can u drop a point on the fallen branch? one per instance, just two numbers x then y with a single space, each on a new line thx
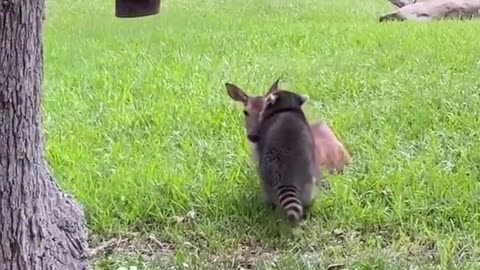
401 3
431 10
94 252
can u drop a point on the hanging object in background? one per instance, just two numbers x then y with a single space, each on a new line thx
136 8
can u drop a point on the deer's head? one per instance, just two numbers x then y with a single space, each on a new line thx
253 107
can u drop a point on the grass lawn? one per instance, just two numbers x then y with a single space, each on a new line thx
141 130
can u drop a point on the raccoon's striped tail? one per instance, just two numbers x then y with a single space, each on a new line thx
288 198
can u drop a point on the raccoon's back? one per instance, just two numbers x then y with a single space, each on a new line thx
288 131
286 150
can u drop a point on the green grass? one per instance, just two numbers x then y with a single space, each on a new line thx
140 129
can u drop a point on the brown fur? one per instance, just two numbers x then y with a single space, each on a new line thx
330 153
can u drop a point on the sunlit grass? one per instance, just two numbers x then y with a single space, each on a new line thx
140 129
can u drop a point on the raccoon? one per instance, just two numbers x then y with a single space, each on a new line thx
286 158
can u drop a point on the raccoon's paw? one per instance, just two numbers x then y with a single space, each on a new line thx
269 202
307 211
306 214
270 205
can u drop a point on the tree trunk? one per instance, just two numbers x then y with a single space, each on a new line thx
40 226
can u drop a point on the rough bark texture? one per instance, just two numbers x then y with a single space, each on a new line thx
40 226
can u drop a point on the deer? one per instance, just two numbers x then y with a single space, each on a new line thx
330 153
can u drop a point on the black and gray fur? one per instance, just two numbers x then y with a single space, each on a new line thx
286 155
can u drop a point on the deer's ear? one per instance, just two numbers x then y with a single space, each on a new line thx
302 99
271 98
236 93
274 87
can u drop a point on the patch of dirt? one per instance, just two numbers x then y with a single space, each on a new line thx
247 256
129 244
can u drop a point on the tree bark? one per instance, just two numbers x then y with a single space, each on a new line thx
41 227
